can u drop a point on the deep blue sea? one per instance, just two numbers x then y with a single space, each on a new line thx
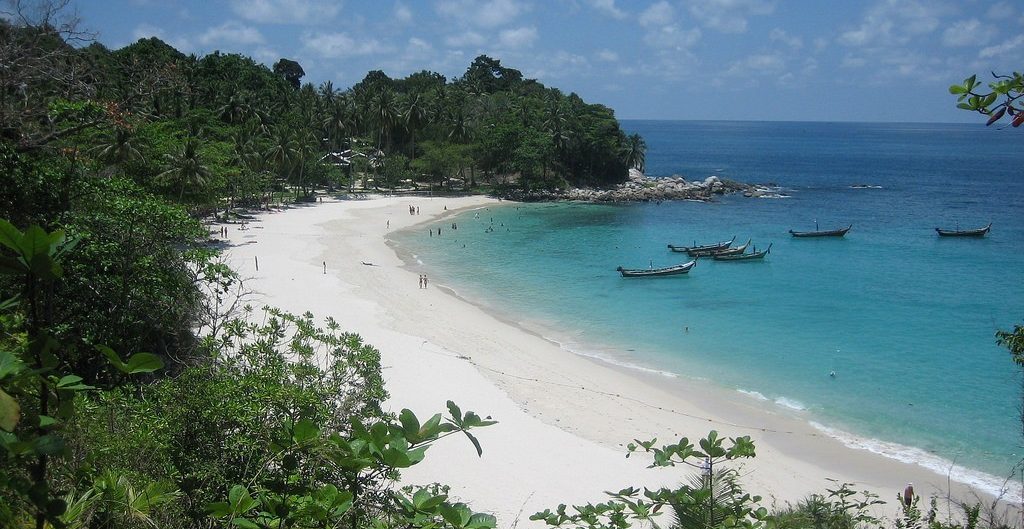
905 319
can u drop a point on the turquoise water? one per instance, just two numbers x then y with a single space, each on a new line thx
905 319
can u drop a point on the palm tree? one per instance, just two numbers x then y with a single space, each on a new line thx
328 93
305 146
118 149
384 115
634 152
185 168
235 110
415 117
282 152
336 124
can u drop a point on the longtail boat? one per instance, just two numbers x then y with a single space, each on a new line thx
826 233
715 246
977 232
657 272
722 251
744 256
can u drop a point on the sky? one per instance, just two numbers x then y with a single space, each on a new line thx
788 60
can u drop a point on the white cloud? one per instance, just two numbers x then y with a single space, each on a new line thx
1012 45
523 37
1001 11
608 7
466 39
402 13
810 66
608 55
658 14
853 62
662 32
729 16
779 35
287 11
481 13
968 33
757 64
266 55
672 37
338 45
231 32
892 22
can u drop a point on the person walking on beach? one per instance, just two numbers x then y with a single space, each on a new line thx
424 280
389 224
417 210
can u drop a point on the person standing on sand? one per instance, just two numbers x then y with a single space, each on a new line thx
389 224
424 280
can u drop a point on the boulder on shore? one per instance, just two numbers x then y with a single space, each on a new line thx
641 188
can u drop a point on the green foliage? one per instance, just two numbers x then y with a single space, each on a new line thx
1013 342
712 499
37 394
840 508
363 457
140 258
1001 98
290 70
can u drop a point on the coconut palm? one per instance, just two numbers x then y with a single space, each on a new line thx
185 168
415 115
336 124
118 149
282 152
634 152
328 93
383 115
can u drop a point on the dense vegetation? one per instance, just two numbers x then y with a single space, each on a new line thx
135 391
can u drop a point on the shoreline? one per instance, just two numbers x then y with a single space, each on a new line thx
493 365
988 484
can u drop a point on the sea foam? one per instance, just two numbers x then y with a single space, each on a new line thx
994 485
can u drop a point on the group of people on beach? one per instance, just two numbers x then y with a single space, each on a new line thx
423 280
414 210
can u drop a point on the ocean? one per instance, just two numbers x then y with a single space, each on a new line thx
905 319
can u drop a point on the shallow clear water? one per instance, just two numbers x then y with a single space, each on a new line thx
905 319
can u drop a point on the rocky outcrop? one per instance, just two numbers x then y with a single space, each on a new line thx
641 188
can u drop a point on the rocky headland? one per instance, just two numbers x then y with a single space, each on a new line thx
642 188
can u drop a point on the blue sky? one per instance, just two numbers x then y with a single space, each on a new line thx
817 60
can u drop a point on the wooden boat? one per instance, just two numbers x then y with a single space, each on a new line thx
744 256
716 246
723 251
657 272
826 233
977 232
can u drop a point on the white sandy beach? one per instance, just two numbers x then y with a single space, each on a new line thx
564 419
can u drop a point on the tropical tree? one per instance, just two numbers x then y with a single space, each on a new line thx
634 152
415 115
186 169
336 124
384 115
118 148
282 152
